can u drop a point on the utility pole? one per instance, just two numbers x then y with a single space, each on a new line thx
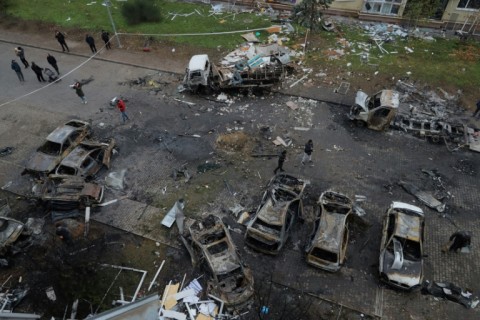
107 4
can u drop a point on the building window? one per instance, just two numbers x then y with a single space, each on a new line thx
469 4
384 7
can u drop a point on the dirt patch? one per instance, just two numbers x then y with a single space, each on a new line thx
236 141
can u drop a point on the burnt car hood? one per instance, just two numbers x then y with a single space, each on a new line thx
42 162
409 273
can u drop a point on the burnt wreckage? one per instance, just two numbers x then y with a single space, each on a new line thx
281 204
423 118
209 243
328 242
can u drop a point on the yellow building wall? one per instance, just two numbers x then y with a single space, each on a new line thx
451 12
348 5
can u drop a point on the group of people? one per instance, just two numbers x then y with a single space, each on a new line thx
307 155
88 39
20 53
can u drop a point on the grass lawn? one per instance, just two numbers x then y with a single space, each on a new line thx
446 63
92 15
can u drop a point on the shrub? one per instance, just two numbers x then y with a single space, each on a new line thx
140 11
4 6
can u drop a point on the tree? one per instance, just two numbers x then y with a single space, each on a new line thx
140 11
4 6
421 9
308 13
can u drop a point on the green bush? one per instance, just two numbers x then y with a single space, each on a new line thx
4 6
140 11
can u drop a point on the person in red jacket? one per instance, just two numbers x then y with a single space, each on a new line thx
122 107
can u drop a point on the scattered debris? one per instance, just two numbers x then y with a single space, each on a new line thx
425 197
449 291
6 151
171 215
115 180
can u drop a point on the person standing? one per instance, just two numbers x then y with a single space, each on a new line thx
475 114
307 152
281 160
91 42
38 72
77 86
122 107
21 54
61 39
53 62
18 70
458 240
106 39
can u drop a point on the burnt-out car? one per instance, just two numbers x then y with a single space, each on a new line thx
10 231
377 111
57 146
64 192
328 243
281 204
210 244
87 159
401 251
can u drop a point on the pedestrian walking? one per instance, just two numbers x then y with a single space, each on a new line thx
61 39
458 240
77 86
307 152
281 160
18 70
106 39
475 114
21 54
38 72
122 107
53 62
91 42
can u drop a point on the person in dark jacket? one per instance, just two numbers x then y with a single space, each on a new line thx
478 109
281 160
106 39
91 42
308 152
21 54
61 39
18 70
38 72
53 62
458 240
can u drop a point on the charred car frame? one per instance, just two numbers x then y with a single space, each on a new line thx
87 159
377 111
281 204
57 146
329 239
401 251
64 192
209 242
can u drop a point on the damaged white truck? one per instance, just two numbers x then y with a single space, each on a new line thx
259 71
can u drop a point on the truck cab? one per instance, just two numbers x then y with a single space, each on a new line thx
198 72
377 111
